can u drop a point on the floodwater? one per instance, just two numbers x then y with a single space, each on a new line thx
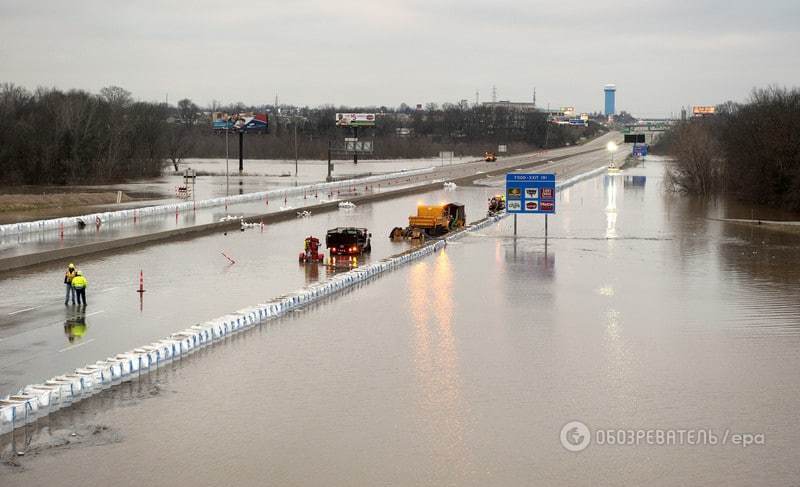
187 281
637 313
212 182
14 245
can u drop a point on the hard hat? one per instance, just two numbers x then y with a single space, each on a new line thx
79 273
71 266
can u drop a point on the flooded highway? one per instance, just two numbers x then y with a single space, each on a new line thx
638 312
188 281
69 235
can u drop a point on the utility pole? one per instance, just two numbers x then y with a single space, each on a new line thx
295 147
494 94
227 179
330 167
355 152
241 150
477 97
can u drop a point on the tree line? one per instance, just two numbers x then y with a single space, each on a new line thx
399 132
49 136
750 150
53 137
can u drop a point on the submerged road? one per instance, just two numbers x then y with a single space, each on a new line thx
53 244
187 281
463 367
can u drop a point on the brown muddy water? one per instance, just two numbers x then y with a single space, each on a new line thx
639 314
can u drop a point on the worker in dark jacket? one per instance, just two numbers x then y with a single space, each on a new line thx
79 283
68 276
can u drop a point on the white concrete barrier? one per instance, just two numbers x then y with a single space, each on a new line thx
68 224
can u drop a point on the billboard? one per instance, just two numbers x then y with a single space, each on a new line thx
703 110
634 138
355 119
246 122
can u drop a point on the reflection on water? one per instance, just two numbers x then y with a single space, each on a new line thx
75 325
610 183
430 291
535 262
634 182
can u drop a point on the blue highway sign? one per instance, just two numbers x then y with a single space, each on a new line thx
530 193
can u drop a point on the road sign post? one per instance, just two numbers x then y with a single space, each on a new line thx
531 194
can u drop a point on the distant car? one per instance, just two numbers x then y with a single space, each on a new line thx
348 241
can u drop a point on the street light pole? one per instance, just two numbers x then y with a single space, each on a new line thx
611 147
227 181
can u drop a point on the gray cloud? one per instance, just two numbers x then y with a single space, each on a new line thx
661 54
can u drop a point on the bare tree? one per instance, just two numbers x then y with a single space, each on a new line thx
116 96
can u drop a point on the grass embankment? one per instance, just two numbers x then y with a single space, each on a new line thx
27 202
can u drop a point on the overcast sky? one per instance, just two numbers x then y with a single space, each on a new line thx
662 54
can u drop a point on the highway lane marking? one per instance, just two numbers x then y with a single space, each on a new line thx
24 310
76 346
42 305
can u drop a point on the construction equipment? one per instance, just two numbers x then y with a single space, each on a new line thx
432 221
311 251
489 156
497 204
348 241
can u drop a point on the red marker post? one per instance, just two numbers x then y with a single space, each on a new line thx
141 282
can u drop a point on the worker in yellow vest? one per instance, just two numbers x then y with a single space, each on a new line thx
79 283
68 276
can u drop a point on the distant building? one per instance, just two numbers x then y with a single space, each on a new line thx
511 105
610 91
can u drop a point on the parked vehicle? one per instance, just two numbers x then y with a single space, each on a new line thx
348 241
497 204
311 251
432 221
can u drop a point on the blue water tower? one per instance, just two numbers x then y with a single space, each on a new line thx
611 91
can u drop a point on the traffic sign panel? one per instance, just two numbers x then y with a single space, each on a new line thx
530 193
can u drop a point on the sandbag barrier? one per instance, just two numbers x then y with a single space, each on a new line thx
38 400
68 223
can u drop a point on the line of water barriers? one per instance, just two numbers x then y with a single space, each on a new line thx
39 400
59 224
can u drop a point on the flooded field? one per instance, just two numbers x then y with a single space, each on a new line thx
639 312
211 182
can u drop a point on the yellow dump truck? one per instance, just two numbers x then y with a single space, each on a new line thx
432 220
